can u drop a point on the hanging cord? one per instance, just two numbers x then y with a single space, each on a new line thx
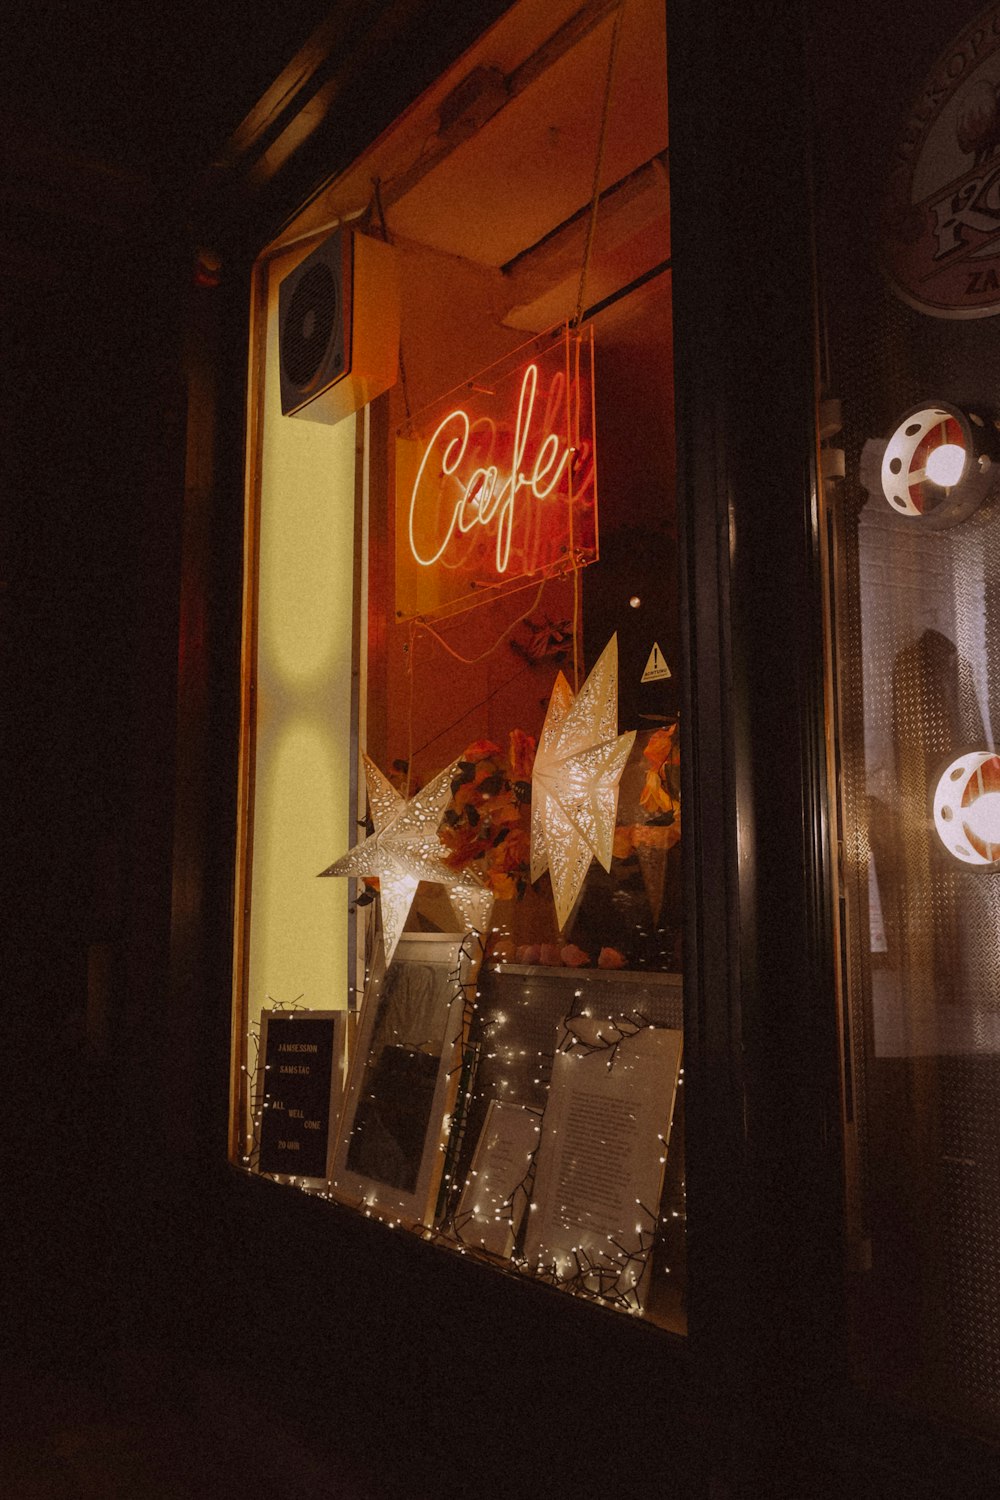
595 202
472 709
416 625
410 645
573 383
599 163
471 661
576 630
377 196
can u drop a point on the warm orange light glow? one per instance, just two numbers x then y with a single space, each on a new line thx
928 445
483 499
498 485
301 666
946 464
967 808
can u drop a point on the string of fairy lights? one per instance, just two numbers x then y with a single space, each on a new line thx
616 1275
255 1071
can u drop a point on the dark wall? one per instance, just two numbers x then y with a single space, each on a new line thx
92 412
119 628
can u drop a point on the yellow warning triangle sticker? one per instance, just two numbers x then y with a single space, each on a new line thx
656 666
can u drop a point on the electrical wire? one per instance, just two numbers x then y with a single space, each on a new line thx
599 163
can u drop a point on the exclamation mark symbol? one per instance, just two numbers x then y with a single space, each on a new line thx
656 666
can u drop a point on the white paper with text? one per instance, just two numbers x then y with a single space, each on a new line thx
600 1162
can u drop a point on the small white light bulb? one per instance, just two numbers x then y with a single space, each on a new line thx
982 817
945 464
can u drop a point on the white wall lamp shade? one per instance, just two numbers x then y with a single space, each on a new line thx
967 809
935 468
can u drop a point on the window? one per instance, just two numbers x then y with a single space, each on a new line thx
461 676
912 360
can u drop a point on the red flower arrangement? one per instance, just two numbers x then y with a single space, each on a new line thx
485 825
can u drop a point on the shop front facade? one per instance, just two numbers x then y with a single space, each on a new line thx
597 702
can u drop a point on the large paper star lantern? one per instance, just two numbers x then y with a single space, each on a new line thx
574 784
405 849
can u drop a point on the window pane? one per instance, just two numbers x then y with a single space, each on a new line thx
514 871
297 736
912 348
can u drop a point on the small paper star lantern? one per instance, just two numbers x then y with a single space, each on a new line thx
574 784
405 849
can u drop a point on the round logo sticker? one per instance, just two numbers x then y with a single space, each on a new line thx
941 216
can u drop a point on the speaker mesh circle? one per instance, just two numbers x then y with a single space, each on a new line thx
311 319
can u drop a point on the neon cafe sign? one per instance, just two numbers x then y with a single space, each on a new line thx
496 483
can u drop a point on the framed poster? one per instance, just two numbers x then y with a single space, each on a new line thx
300 1082
521 1017
393 1132
601 1157
495 1195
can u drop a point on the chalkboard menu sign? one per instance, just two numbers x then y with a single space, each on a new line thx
300 1052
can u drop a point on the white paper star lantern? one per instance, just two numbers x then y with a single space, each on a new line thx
405 849
574 784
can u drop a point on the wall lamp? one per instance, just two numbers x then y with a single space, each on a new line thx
967 808
936 467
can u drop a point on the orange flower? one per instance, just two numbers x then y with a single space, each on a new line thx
522 754
654 796
484 807
513 853
463 844
466 793
479 750
660 747
469 793
501 810
486 769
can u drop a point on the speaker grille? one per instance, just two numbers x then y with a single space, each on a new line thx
312 317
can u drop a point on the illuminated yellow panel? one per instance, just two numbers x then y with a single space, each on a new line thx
303 751
297 921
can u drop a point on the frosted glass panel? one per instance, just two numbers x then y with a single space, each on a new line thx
302 749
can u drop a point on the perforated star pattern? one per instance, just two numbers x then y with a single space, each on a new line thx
405 849
574 785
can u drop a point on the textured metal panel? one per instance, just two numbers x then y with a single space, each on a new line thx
918 617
